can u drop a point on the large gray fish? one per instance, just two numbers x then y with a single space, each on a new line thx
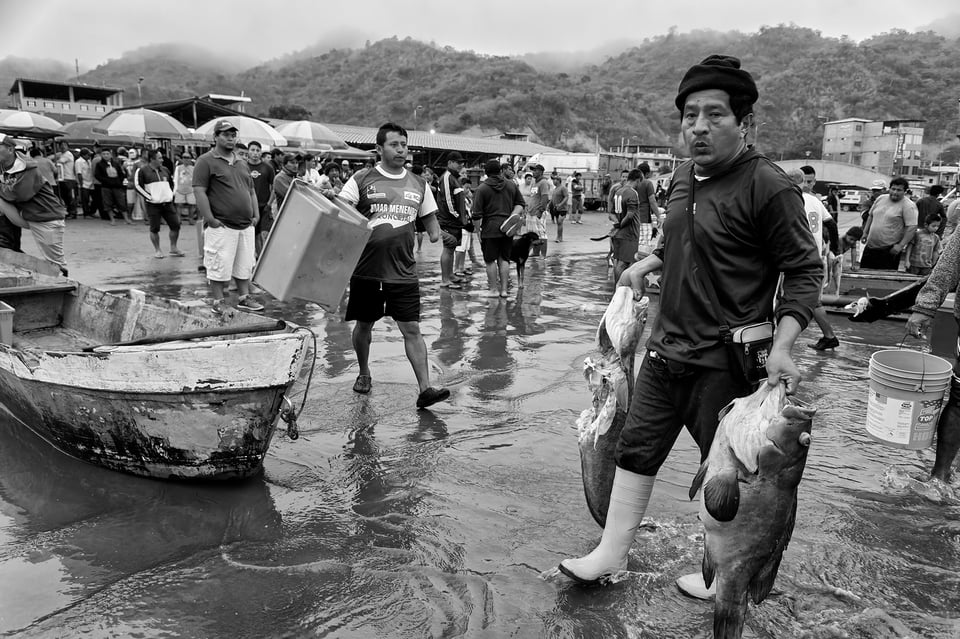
610 377
749 500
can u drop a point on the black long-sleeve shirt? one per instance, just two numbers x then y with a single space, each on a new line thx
750 226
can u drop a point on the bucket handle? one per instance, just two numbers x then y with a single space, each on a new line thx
919 388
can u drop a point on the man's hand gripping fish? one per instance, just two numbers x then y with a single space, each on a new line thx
611 378
749 500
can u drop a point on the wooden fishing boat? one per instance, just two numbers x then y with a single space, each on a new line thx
139 383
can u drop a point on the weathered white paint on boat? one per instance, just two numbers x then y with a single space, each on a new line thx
268 360
201 408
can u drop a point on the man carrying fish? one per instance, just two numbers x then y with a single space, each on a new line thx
748 224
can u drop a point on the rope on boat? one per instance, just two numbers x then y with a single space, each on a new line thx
287 413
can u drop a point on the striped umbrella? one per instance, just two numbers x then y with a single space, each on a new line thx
248 130
28 124
142 123
311 135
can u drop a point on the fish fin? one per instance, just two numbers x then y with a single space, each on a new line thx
708 568
728 618
762 582
698 480
721 496
723 411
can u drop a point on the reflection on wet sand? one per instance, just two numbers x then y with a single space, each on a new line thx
412 524
94 526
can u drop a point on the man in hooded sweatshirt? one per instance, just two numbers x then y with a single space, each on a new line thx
38 204
495 200
748 222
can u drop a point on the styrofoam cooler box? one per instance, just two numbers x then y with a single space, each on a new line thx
312 249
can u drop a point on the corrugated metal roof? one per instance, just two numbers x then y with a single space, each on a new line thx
352 134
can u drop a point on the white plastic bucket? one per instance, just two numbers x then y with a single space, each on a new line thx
905 397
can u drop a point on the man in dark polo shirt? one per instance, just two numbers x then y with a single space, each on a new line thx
228 204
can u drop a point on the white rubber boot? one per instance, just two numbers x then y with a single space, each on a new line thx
628 503
692 585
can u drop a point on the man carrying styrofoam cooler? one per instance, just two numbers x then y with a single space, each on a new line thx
28 201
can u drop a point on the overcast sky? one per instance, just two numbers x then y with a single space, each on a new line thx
96 30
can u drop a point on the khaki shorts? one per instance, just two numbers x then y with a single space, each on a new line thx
49 238
228 253
184 198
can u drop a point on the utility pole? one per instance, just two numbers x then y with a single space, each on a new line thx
139 93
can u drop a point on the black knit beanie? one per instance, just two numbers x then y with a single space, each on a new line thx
717 72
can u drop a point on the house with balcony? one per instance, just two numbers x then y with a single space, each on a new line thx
64 101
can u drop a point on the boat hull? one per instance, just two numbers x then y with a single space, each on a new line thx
187 435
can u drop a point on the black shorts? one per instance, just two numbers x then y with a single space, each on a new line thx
556 215
370 300
165 211
451 238
265 223
668 396
496 248
625 249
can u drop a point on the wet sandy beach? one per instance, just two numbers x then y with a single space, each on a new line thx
385 521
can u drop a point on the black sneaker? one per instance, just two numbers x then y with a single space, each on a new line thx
431 396
824 343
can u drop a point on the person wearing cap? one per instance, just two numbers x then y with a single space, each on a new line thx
537 209
385 281
345 170
877 189
109 172
889 228
496 200
183 197
748 222
452 216
228 205
30 199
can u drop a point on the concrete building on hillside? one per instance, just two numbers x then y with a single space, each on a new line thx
891 147
64 101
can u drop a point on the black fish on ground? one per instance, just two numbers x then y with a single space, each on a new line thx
749 501
610 376
871 309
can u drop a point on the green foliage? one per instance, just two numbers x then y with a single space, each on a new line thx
288 112
804 79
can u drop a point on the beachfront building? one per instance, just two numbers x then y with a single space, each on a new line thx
64 101
890 147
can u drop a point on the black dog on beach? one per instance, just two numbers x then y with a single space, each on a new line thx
521 251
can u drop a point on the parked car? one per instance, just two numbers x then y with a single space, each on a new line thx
850 199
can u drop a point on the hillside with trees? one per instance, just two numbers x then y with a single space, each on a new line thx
804 79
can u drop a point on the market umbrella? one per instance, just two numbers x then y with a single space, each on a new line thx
311 135
28 124
142 123
248 130
81 132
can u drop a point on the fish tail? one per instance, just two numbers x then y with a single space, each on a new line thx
728 618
